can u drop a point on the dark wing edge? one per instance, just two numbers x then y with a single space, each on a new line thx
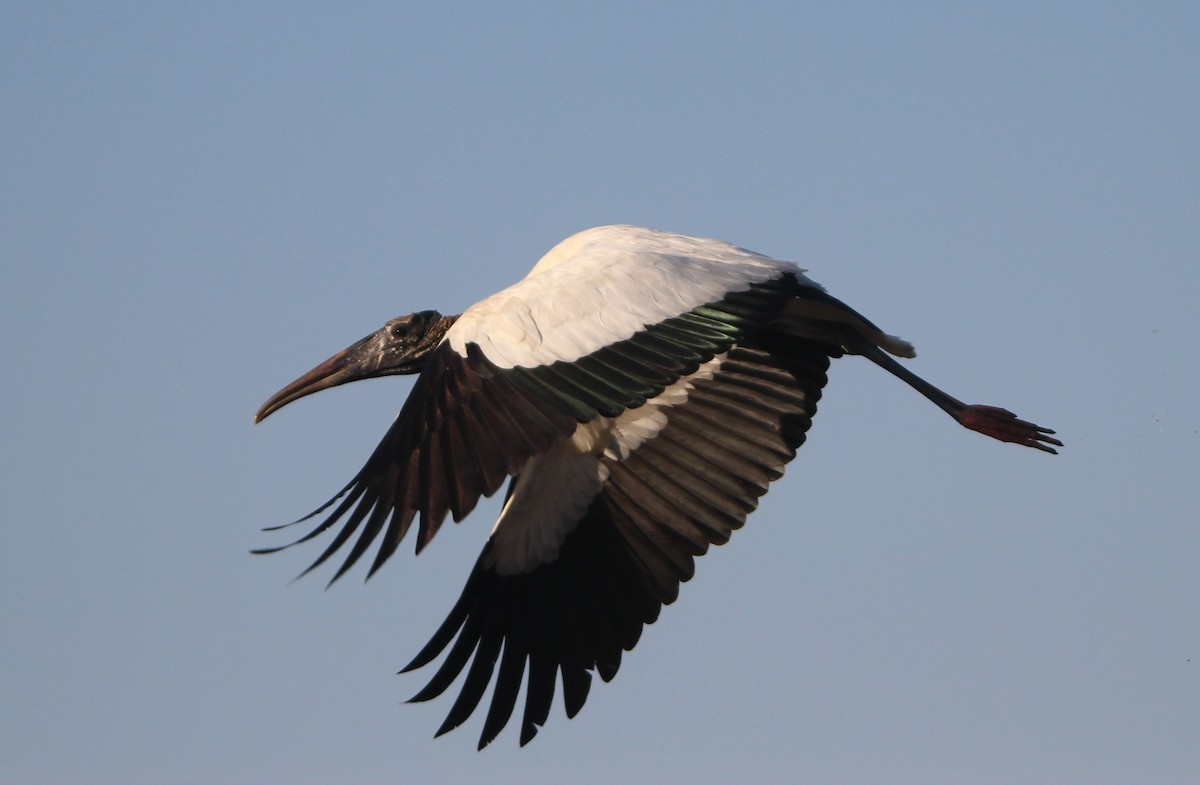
464 428
687 488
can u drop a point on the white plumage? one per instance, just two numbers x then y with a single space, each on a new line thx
603 285
640 391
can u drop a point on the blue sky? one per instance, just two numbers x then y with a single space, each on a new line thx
199 202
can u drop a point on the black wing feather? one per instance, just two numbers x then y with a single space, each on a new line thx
680 492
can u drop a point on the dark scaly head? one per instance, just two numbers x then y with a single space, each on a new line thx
400 347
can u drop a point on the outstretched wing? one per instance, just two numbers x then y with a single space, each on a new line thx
687 487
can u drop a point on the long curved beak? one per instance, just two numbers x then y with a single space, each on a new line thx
358 361
402 346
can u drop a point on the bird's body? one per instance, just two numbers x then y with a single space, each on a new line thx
641 389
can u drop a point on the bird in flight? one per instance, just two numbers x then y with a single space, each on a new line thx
639 391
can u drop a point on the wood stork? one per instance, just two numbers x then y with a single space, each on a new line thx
641 389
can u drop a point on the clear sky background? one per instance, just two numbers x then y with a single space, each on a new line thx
198 202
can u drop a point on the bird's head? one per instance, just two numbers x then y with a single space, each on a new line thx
400 347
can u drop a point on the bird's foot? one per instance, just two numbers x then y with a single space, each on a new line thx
1003 425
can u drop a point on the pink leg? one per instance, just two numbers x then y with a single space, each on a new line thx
989 420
